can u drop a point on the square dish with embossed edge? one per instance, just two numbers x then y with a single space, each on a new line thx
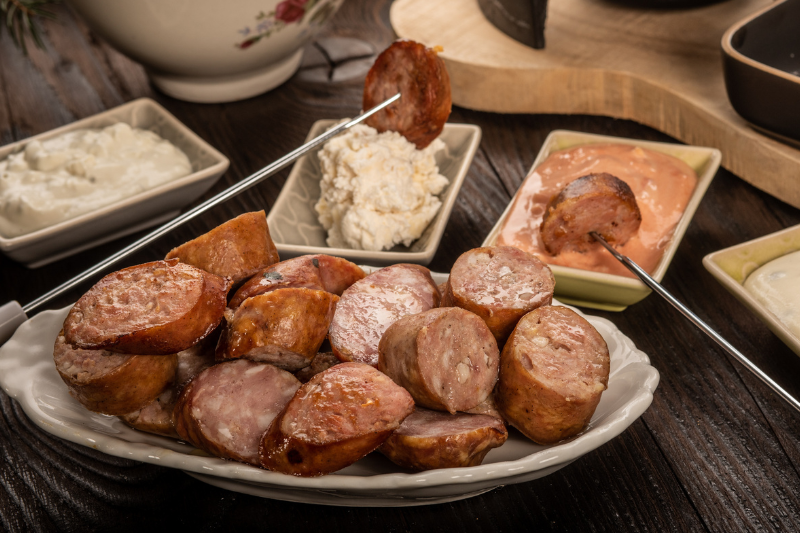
293 222
731 266
610 292
128 215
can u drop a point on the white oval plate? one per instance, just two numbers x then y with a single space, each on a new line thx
27 373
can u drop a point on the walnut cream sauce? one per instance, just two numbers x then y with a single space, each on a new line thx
80 171
776 285
662 185
377 189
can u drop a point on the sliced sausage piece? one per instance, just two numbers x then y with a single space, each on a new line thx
427 440
156 417
285 327
553 370
226 409
420 76
597 202
499 284
162 307
446 358
321 362
236 249
112 383
371 305
334 420
319 272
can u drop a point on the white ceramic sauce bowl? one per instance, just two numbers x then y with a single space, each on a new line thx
206 50
128 215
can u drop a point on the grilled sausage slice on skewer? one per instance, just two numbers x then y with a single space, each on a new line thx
420 76
553 370
157 308
499 284
334 420
427 440
446 358
597 202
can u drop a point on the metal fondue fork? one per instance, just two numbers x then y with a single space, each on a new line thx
12 314
656 286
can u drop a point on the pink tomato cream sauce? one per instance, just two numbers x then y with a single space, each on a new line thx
662 185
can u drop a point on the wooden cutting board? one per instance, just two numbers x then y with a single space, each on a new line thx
662 68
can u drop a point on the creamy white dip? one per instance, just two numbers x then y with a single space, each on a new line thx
377 189
776 285
60 178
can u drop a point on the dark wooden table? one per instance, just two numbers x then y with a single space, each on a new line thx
716 451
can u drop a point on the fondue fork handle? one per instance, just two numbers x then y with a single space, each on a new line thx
227 194
656 286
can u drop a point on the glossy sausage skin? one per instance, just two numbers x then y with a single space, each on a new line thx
427 440
334 420
236 249
320 272
446 358
420 76
226 409
499 284
372 304
285 327
553 370
597 202
157 308
156 417
112 383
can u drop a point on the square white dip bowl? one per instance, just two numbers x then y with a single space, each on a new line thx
295 228
129 215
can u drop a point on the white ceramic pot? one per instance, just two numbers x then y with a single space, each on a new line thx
210 50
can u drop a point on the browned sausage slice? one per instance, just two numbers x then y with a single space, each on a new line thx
156 308
427 440
499 284
112 383
236 249
226 409
446 358
334 420
285 327
320 272
156 417
597 202
420 76
553 370
372 304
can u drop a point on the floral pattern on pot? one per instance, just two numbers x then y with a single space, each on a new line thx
285 13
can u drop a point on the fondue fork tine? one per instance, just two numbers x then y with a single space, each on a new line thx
657 287
12 314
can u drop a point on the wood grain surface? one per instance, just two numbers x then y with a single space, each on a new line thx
716 451
659 67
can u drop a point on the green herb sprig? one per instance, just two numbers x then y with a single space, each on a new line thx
19 19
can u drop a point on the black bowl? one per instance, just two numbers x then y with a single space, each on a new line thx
761 64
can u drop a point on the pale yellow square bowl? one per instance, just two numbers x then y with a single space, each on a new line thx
610 292
731 266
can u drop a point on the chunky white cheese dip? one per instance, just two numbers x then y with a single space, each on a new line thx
776 285
60 178
378 190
